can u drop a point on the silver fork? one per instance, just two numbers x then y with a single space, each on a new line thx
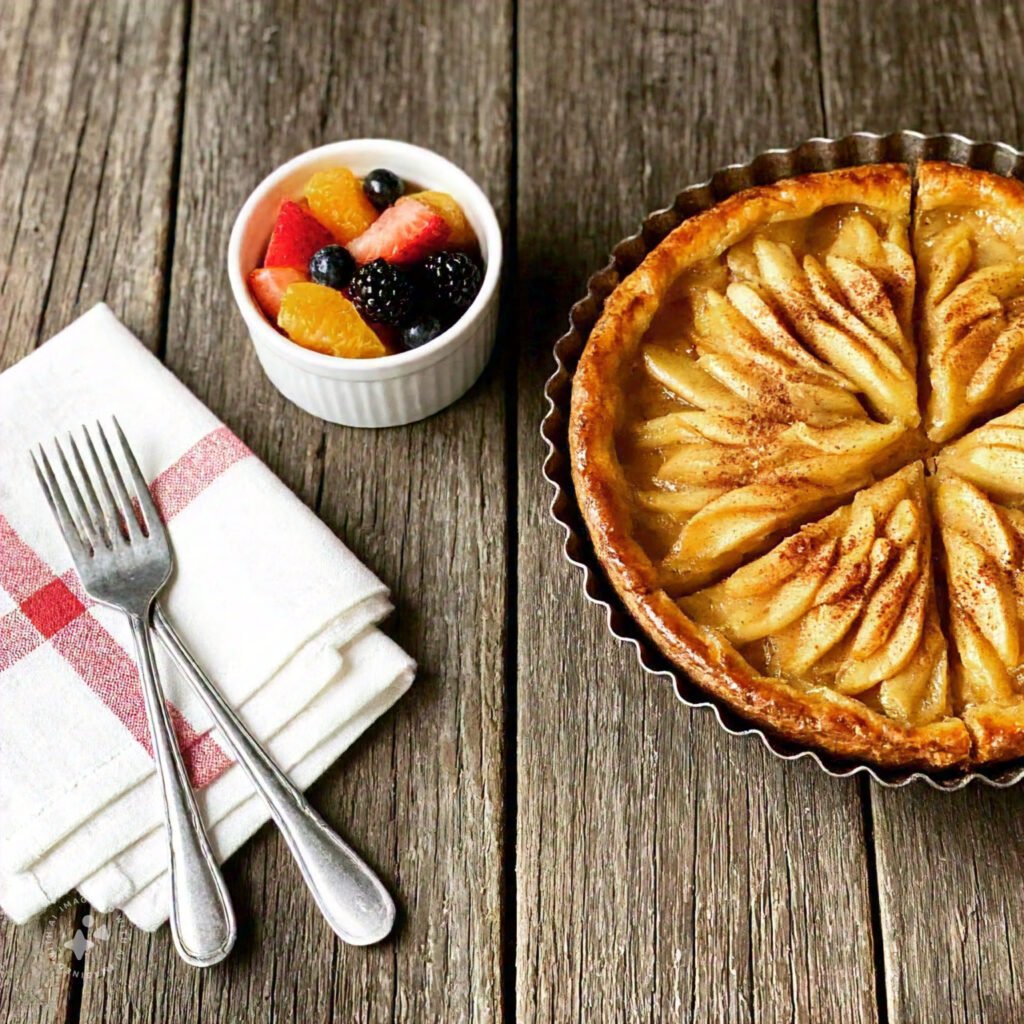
125 565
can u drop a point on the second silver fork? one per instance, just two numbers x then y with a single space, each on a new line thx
124 563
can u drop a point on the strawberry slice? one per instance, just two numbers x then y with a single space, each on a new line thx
460 234
297 235
268 285
403 233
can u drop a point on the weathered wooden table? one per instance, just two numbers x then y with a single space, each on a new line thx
567 842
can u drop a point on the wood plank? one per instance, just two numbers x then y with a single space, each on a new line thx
665 869
35 972
949 866
422 795
89 100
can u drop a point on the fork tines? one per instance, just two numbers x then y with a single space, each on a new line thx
114 515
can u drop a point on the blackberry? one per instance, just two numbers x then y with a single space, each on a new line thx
383 187
382 293
450 280
333 266
421 331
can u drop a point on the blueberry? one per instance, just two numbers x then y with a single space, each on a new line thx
450 280
382 293
425 329
383 187
333 266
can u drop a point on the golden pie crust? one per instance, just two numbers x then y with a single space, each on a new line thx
774 497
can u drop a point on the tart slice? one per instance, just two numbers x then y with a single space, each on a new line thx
752 373
845 611
969 249
734 464
978 498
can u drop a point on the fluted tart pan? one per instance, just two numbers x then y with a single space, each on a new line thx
769 167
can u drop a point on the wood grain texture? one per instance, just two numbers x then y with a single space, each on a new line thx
421 796
89 99
89 94
948 866
666 871
35 972
894 64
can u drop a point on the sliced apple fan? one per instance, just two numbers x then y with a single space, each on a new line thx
972 310
798 380
847 603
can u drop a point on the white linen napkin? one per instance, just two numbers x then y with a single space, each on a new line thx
271 603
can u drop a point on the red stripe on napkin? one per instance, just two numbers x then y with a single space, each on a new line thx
177 485
18 637
22 571
55 610
52 607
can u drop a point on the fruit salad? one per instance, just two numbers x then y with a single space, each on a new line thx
367 267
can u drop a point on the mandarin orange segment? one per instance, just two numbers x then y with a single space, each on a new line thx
337 200
460 234
321 318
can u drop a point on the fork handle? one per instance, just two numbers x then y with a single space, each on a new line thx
349 895
202 921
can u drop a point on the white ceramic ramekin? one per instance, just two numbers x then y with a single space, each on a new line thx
391 390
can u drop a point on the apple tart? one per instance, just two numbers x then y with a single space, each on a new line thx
750 457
